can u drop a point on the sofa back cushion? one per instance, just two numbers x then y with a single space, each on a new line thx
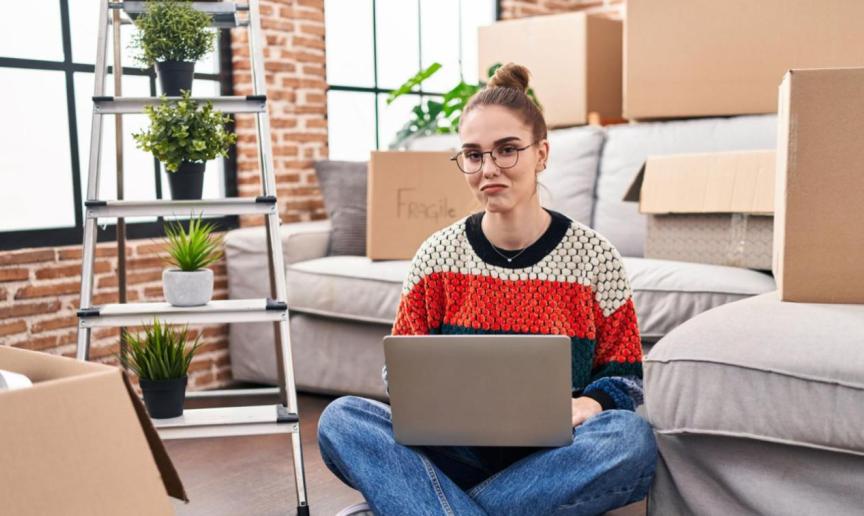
343 186
567 184
627 146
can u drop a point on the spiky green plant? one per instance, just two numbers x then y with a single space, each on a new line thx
193 248
161 352
172 31
185 130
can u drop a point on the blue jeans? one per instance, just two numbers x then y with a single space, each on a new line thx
609 464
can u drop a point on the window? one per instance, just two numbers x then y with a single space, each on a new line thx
47 67
373 46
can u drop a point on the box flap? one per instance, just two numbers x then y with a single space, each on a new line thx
173 484
79 435
727 182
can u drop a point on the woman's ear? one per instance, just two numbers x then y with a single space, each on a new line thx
542 154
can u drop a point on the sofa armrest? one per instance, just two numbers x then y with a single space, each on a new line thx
246 254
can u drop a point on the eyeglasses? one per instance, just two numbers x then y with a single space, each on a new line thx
504 156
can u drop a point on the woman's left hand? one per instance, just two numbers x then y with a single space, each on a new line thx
583 408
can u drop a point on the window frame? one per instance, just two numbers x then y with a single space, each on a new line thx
62 236
375 90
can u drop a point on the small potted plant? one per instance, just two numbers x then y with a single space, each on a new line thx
184 134
190 282
160 357
173 35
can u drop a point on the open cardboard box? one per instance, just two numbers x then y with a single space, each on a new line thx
410 195
79 441
708 208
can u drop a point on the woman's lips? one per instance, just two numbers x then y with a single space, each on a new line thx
493 189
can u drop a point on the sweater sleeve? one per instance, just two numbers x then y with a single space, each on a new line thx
616 374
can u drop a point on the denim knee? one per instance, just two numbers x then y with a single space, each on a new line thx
637 432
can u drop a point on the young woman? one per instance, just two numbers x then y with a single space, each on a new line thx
514 267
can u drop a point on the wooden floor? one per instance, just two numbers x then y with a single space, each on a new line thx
253 476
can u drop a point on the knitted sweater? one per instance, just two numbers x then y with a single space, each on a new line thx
571 281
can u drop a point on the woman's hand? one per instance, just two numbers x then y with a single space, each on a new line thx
583 408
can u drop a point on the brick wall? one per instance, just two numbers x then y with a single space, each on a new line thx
39 287
297 95
522 8
39 296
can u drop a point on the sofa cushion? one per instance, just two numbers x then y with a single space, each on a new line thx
347 287
627 146
665 293
343 186
571 172
763 369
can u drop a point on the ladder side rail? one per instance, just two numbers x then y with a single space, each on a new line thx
89 245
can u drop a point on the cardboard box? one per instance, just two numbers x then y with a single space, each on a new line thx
819 212
79 442
574 60
411 195
708 208
709 57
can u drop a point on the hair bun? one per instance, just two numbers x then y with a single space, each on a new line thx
511 75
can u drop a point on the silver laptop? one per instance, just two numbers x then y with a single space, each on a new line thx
480 390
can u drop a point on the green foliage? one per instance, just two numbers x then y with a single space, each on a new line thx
161 352
172 31
185 130
436 117
195 248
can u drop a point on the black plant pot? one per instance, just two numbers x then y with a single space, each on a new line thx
188 181
164 398
175 76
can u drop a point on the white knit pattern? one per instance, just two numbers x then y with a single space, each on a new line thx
583 256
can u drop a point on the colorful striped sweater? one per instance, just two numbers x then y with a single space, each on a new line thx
571 281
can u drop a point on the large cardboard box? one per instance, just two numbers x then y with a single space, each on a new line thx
819 211
574 59
708 208
79 442
412 194
710 57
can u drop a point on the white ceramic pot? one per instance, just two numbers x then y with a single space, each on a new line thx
187 288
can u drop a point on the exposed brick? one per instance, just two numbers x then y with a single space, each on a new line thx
102 251
12 327
3 294
151 262
26 256
50 290
37 343
132 278
16 274
23 309
312 28
70 271
148 249
55 324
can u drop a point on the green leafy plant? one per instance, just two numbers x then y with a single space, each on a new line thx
161 352
185 130
438 117
172 31
193 248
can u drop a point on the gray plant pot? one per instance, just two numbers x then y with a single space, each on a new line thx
187 288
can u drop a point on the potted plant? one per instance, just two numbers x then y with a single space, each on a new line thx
172 35
183 135
160 357
190 282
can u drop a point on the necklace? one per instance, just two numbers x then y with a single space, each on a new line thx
511 258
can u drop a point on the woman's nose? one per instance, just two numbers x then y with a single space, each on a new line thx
489 168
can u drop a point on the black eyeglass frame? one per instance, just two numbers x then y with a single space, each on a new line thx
455 158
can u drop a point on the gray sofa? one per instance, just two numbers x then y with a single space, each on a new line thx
341 306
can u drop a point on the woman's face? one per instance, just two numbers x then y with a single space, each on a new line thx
494 127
